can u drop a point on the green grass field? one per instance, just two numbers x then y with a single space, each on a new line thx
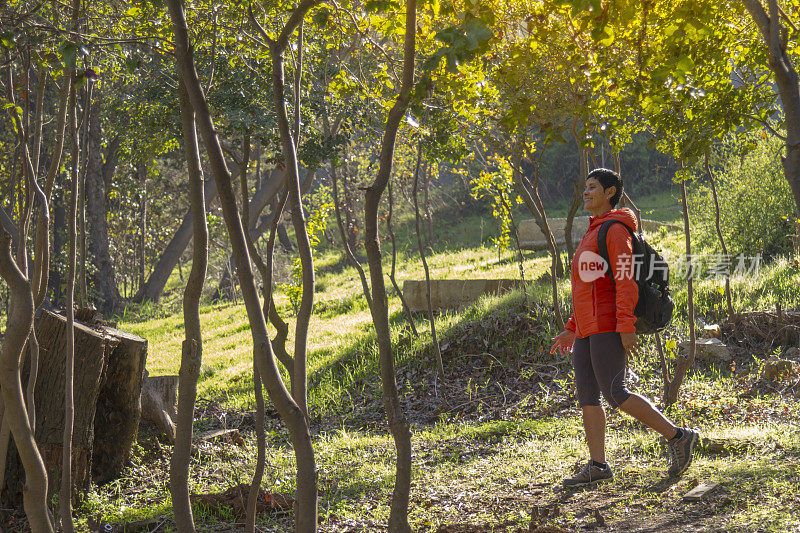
481 458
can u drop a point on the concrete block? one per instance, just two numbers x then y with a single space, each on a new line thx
713 350
453 293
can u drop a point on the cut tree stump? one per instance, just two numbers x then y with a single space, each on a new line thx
118 405
91 349
107 383
160 403
227 436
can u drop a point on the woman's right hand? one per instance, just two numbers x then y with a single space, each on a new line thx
563 342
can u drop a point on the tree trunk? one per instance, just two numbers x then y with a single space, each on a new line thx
683 362
192 353
59 223
154 286
91 350
65 494
428 214
530 195
83 291
577 193
392 278
283 238
520 257
105 281
289 149
18 326
293 416
786 80
116 420
261 434
345 235
431 318
728 299
226 289
398 515
141 177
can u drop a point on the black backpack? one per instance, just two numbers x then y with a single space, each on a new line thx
655 306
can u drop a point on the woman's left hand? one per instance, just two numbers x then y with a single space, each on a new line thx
630 342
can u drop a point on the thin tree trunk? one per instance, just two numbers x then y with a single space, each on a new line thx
289 145
105 280
41 262
141 175
43 76
18 326
192 352
520 258
293 416
281 327
428 216
786 80
625 197
261 435
728 299
577 192
59 221
83 292
343 233
683 363
65 495
431 317
392 278
266 278
398 515
530 195
261 453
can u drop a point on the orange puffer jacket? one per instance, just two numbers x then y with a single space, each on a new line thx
599 305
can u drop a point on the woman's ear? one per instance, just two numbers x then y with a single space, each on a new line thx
610 192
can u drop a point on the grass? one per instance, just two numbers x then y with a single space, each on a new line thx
477 460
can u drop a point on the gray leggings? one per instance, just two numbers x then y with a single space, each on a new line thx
599 362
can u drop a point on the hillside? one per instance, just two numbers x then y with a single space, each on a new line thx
492 442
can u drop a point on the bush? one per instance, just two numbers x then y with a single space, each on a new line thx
754 199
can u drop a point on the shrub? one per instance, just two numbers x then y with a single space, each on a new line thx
754 199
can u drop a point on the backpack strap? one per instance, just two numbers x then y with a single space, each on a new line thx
602 244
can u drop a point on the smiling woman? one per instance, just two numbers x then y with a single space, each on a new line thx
601 332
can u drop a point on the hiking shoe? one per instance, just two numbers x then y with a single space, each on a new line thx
680 451
589 474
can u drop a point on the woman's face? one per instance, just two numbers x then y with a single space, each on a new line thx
596 200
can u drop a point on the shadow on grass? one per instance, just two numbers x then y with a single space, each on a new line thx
661 485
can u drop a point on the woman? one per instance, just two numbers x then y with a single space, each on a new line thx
601 332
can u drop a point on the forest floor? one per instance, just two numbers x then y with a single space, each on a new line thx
492 443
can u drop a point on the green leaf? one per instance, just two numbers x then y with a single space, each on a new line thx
8 38
380 6
608 36
68 51
322 17
131 64
684 64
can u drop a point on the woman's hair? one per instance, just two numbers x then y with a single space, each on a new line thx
608 178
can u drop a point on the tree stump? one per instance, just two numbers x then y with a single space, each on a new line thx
160 403
91 347
118 405
109 366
